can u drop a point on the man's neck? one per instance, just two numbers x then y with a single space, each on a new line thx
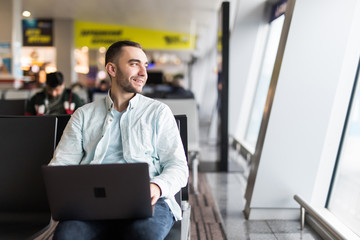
121 100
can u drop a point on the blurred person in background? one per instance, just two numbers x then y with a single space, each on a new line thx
178 90
54 99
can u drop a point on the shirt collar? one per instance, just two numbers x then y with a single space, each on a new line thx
110 103
133 102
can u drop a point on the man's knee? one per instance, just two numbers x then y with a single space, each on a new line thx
78 230
155 228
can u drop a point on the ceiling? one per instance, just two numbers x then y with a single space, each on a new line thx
185 16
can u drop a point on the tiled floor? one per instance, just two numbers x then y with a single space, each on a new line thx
228 190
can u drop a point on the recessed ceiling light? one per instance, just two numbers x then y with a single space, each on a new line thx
26 13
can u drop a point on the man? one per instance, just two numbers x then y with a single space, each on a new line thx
54 99
126 127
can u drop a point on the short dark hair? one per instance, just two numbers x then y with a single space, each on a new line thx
54 79
115 49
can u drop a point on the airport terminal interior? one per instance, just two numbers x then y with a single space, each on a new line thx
270 90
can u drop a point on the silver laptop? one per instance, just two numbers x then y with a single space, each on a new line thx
98 191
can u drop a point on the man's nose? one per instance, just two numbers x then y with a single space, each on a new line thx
142 71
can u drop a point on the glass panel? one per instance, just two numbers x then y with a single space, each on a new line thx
345 197
266 70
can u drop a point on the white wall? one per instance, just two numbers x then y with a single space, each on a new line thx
309 106
246 43
64 44
202 72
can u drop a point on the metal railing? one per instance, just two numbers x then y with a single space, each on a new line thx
305 207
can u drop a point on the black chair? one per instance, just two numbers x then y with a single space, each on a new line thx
13 107
181 229
62 120
26 143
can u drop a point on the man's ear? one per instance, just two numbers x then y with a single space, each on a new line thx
111 69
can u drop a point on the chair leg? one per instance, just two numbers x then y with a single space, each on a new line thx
185 222
195 166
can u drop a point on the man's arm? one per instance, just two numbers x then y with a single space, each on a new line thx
172 157
69 150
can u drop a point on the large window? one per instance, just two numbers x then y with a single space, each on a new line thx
262 88
344 201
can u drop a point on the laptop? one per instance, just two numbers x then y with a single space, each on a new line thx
98 191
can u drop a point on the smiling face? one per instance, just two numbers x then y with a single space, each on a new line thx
129 70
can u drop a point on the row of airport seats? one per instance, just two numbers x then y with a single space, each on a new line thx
27 143
14 103
16 94
26 94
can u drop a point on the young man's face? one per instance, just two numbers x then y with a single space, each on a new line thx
131 75
56 91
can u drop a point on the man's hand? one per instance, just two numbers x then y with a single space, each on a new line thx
155 193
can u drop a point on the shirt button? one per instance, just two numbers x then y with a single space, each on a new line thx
110 120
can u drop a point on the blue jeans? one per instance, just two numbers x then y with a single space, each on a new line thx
154 228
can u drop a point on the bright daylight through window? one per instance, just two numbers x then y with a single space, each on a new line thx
345 197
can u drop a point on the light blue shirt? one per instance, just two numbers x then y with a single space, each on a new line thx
114 154
148 132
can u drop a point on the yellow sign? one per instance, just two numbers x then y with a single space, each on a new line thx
96 35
